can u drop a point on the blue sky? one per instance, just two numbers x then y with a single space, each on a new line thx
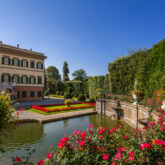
87 34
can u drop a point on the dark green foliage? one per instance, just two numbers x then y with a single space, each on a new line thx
61 93
69 90
58 92
92 100
67 95
79 75
65 72
98 82
81 97
147 67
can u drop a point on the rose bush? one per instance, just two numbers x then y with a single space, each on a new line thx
115 146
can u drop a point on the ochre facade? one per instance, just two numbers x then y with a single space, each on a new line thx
22 72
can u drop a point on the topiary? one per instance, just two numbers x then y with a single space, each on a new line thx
57 92
92 100
67 95
68 102
81 97
69 90
61 93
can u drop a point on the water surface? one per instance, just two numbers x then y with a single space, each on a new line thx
29 136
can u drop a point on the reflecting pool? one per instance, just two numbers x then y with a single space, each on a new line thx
29 136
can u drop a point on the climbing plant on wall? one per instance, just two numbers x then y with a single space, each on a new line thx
98 82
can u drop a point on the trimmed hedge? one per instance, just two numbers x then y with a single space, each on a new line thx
81 97
147 67
98 82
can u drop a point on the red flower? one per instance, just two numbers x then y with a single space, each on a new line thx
49 155
41 162
18 159
105 156
82 142
144 127
17 113
91 125
125 136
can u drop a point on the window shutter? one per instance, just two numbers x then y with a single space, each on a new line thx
21 62
12 61
18 62
9 78
37 65
29 80
3 60
9 61
12 80
41 66
18 79
34 80
21 79
2 78
27 63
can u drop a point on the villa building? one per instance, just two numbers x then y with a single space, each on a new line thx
22 72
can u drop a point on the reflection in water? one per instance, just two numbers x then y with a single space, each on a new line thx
40 137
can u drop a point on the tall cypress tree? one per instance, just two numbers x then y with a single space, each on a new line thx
65 71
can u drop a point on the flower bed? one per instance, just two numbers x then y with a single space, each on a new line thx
112 147
41 107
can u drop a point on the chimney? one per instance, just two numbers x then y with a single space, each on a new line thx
1 42
17 45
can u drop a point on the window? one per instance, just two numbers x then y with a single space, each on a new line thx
32 94
24 94
39 66
39 93
39 80
15 79
24 80
15 62
32 80
24 63
32 64
6 78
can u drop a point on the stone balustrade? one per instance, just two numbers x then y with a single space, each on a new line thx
130 110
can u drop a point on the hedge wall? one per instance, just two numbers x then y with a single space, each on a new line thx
98 82
147 67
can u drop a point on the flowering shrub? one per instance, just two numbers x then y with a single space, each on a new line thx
114 146
68 102
41 108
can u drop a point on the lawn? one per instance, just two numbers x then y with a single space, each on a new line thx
64 106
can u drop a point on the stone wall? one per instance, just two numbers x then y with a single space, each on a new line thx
129 111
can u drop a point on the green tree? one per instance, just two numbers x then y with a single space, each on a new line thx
65 71
79 74
53 78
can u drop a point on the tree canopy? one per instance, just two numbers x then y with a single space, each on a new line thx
79 74
65 71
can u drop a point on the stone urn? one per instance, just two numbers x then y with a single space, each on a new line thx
163 105
135 98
